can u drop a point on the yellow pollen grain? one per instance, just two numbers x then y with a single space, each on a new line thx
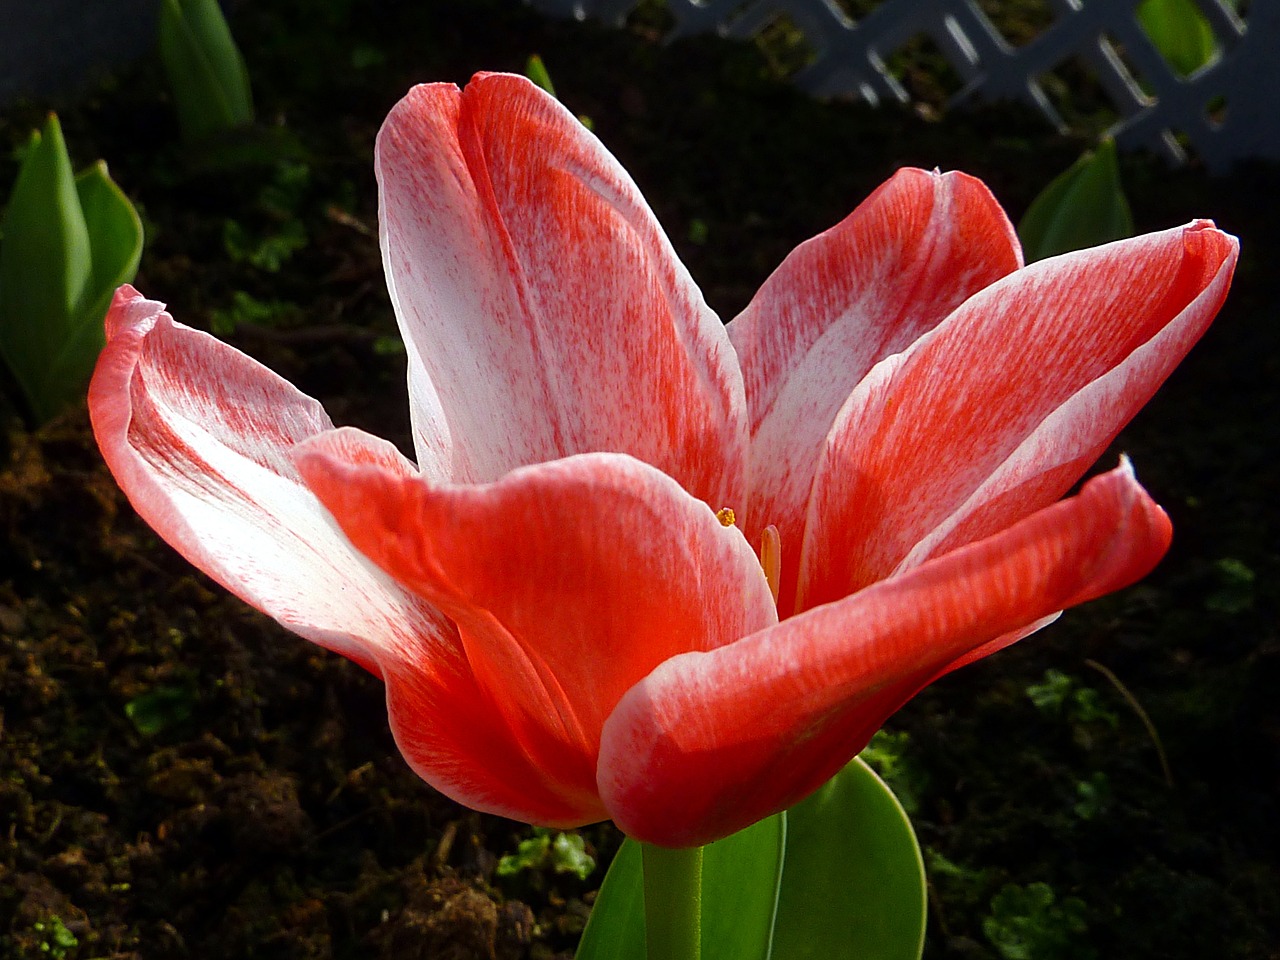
726 516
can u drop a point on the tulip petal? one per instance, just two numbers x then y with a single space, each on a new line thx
709 743
1003 407
545 311
445 722
198 436
863 290
568 581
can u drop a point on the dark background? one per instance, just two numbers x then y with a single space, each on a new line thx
253 805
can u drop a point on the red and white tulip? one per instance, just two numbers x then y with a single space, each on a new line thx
569 625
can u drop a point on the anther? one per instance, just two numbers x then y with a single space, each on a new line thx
771 558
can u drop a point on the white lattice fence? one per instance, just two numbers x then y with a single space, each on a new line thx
1225 110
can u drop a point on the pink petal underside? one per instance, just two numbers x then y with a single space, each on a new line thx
198 436
545 312
569 581
861 291
710 743
1005 405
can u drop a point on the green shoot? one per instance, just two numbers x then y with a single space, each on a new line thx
68 242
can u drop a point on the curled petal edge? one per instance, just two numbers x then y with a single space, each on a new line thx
711 742
198 436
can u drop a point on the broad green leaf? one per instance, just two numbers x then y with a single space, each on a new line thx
739 891
206 71
615 929
1180 32
115 238
1083 207
115 247
45 265
853 887
211 30
740 877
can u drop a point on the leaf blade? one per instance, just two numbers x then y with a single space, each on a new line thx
1180 32
206 70
740 877
45 264
851 853
1084 206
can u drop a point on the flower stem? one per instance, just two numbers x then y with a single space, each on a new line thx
673 902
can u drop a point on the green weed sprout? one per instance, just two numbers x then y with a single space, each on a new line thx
1082 207
67 243
56 940
1028 923
207 73
563 853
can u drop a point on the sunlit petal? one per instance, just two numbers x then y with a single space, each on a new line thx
569 581
1003 407
545 312
863 290
710 743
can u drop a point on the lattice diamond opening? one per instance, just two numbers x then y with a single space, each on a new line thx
847 48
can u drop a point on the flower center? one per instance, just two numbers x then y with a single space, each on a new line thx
770 549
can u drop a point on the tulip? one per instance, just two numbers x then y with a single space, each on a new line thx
570 596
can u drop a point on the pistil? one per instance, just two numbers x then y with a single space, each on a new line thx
771 558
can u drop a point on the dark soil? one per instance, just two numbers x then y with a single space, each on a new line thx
181 778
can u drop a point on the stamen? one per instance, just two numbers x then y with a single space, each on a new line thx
726 516
771 558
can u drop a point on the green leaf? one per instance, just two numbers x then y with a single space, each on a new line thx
569 855
115 238
563 853
161 707
1236 587
739 892
45 265
615 929
1180 32
1083 207
889 755
740 883
529 855
115 247
207 73
853 887
268 252
536 71
1050 695
1027 923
